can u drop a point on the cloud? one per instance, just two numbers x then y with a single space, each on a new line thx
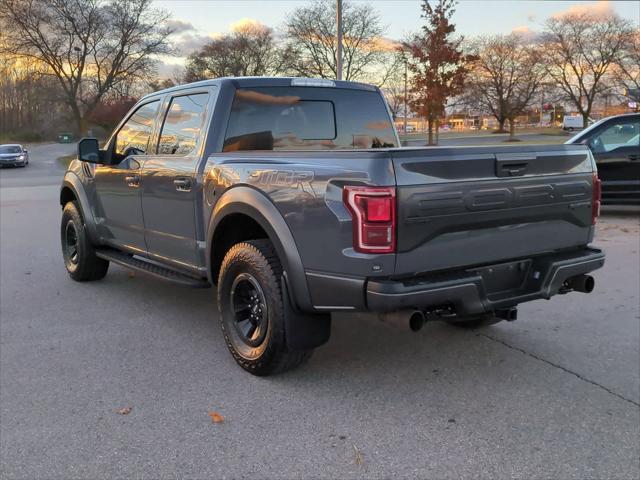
524 32
187 39
178 26
188 43
248 25
384 44
596 10
168 70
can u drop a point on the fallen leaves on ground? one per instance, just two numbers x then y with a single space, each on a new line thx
359 459
132 274
216 417
124 411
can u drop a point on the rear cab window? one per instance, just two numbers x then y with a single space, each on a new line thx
308 118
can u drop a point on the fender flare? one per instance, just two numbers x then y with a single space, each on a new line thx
72 182
249 201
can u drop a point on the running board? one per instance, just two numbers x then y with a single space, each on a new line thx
140 265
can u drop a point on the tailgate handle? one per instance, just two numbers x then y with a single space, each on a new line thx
511 169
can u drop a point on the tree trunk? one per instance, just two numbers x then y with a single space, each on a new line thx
80 120
437 131
501 122
512 129
430 130
585 118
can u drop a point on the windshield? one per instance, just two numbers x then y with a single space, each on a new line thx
10 149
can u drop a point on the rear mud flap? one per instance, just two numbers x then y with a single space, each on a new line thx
303 331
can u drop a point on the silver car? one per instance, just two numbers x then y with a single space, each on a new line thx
13 155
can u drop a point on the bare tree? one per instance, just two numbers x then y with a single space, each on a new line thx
437 63
311 43
249 51
580 50
89 46
505 77
28 99
627 71
394 94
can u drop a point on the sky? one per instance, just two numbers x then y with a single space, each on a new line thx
195 21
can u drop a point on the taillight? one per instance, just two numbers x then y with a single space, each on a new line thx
373 210
597 194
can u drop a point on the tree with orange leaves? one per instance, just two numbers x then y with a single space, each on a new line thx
437 63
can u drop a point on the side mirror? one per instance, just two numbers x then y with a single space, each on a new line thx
89 151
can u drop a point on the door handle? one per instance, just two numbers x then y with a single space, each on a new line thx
132 180
182 184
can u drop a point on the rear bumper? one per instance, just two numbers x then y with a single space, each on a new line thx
481 290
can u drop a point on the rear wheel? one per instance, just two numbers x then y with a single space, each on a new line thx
79 255
251 306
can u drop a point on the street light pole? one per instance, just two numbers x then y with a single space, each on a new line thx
339 35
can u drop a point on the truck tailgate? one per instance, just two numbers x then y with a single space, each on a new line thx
466 206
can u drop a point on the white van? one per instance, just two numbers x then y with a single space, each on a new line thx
573 122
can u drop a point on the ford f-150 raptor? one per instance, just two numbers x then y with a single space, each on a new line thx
293 197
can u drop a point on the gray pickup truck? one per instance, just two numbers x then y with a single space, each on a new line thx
293 197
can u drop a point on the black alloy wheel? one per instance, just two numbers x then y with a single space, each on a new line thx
250 312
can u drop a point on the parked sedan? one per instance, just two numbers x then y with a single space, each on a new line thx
13 155
615 144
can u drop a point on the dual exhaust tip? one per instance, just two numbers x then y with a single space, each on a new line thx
414 320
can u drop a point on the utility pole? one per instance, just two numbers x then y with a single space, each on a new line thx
339 49
405 95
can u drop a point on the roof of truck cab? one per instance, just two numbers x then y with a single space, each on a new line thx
244 82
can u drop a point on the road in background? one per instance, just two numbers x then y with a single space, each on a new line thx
555 394
43 169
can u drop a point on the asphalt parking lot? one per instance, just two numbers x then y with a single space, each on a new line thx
555 394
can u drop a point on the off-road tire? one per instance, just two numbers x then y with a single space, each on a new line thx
257 261
84 265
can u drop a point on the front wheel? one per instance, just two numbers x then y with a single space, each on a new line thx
79 255
252 309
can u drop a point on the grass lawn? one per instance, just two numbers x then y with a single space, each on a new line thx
65 160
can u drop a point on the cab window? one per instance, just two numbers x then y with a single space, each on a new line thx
620 134
308 118
183 124
133 136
